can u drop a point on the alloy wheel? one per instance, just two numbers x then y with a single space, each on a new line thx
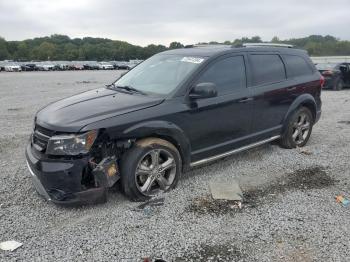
155 172
301 128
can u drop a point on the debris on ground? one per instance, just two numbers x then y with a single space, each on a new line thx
304 151
344 122
147 259
341 199
207 205
148 206
152 203
226 190
10 245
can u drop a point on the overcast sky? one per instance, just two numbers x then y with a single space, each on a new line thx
144 22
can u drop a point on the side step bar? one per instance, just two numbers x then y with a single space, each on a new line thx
237 150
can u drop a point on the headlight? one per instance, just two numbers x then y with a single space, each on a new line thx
71 144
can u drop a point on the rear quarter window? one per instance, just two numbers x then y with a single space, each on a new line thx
267 68
296 66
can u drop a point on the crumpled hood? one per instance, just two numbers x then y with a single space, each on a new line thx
73 113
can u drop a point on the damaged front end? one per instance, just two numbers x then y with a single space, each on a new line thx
73 168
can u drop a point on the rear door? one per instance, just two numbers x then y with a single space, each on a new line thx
277 80
218 124
272 95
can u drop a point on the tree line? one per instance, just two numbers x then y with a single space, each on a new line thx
62 47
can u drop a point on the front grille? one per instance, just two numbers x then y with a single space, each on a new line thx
41 137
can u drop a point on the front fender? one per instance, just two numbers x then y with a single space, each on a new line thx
166 130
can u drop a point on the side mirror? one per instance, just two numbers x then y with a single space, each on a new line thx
203 90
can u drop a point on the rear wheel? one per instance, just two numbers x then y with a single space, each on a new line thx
153 165
338 84
298 129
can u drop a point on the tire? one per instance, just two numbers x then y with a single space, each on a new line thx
142 173
338 84
298 128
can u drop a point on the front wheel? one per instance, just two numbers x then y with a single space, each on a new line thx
298 128
151 166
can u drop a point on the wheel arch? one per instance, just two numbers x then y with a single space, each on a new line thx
305 100
166 131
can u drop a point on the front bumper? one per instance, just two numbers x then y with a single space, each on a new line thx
60 181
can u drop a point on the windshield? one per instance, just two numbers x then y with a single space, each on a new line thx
160 74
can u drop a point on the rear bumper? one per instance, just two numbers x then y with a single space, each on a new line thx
59 181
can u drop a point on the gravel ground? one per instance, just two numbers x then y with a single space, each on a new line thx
289 213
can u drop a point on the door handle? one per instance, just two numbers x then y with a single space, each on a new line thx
292 88
245 100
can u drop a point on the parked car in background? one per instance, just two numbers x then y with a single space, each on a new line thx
133 63
62 66
179 109
12 68
29 67
77 66
121 65
336 75
46 67
91 65
105 66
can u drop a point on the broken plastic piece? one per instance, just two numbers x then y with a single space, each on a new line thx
236 204
152 203
106 172
10 245
341 199
226 190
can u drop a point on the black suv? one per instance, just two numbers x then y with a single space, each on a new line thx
178 109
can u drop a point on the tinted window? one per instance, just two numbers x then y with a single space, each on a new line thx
296 66
228 74
267 69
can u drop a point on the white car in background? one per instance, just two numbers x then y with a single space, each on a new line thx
12 68
105 66
46 67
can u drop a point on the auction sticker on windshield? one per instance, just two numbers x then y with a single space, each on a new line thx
195 60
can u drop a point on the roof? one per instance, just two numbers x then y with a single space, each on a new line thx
222 49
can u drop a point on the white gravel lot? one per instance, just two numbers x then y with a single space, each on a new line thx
290 212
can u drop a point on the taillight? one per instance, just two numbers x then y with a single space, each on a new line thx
322 81
327 73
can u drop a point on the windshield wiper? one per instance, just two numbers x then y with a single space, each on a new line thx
127 88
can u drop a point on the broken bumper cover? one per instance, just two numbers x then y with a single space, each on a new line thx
59 181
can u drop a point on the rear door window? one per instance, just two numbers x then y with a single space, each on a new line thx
228 74
267 68
296 66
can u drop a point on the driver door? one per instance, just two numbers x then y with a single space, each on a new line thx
218 124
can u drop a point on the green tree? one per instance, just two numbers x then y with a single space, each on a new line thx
4 53
22 51
175 45
45 51
71 52
88 48
275 39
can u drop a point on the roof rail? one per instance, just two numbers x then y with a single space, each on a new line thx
267 45
208 46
